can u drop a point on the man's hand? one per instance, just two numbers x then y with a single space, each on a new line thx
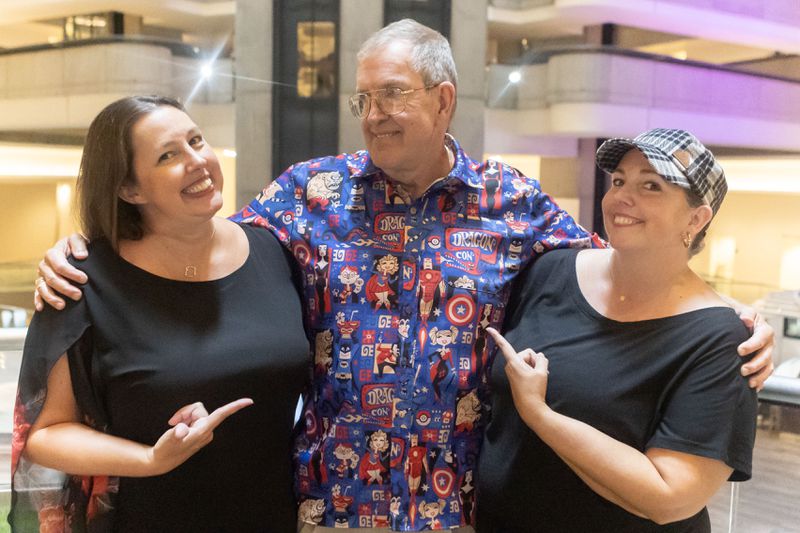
760 367
55 271
193 428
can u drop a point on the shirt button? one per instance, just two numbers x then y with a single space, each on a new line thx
413 210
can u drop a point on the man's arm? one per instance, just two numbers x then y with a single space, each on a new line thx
55 271
762 341
277 206
552 226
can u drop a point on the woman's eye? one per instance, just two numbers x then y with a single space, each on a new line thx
164 156
616 182
197 139
652 186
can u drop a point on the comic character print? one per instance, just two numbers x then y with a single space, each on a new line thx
405 348
346 460
341 505
322 266
442 359
374 465
323 346
270 191
430 289
347 328
356 202
393 195
410 399
416 466
445 472
395 504
447 201
430 512
381 286
311 511
323 190
343 369
351 284
492 194
518 227
481 337
385 358
468 411
522 189
466 492
513 258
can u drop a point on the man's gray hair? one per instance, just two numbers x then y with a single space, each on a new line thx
431 55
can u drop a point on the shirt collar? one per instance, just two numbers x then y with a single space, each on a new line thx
464 167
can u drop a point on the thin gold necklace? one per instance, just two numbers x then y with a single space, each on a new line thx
190 271
622 297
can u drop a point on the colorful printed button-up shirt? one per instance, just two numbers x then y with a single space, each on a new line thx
399 295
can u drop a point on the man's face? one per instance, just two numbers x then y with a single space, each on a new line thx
405 145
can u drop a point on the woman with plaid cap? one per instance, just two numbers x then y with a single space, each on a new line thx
625 409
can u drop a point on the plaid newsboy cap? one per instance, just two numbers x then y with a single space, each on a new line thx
677 156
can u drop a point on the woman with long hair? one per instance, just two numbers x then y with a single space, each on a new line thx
183 314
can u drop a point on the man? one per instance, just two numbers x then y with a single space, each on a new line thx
421 203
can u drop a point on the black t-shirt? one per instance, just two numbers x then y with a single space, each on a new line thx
671 383
159 344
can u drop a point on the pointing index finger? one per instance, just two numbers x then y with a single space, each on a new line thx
502 343
221 413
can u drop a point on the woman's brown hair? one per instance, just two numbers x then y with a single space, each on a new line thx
107 165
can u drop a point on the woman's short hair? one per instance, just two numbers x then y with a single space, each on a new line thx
107 165
431 55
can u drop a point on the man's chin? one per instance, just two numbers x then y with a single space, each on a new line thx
380 160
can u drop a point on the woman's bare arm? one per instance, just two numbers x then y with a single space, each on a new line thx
59 440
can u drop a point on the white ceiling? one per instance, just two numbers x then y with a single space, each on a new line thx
569 17
185 15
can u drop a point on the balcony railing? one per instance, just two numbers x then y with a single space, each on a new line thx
109 66
601 91
778 11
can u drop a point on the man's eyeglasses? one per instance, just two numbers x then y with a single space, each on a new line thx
390 101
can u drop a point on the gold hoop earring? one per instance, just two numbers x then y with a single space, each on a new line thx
687 239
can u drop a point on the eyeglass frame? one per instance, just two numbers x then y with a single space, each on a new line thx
370 94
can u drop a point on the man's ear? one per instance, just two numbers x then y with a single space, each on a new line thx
447 99
129 192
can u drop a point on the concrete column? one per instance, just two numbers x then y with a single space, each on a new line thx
468 34
253 97
358 19
592 184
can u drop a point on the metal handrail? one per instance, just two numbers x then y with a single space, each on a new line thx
781 390
178 48
542 55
